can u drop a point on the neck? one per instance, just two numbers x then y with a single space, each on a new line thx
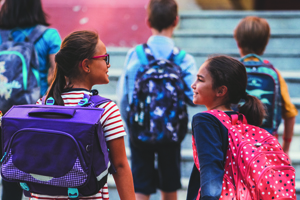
219 107
81 84
168 32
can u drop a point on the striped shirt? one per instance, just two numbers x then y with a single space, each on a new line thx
112 128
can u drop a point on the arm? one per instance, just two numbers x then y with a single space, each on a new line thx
126 82
51 68
123 176
288 133
189 72
289 112
210 149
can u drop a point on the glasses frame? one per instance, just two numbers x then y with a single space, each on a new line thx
106 60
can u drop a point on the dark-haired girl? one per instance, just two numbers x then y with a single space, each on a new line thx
81 63
221 81
21 17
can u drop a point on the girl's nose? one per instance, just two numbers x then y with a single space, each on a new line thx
193 86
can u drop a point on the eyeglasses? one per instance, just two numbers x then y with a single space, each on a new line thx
106 58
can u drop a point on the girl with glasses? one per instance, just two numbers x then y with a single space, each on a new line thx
81 63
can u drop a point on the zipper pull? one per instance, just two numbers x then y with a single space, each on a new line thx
3 157
257 144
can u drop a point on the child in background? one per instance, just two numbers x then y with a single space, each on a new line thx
162 20
81 63
252 35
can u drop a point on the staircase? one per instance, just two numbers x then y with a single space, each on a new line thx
204 33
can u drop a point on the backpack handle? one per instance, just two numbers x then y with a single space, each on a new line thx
237 119
44 112
251 55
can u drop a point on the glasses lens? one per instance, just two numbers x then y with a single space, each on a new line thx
107 59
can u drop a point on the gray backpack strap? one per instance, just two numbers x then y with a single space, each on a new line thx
4 35
37 33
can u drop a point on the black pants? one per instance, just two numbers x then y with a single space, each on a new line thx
11 191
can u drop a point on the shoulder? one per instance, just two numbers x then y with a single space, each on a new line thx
109 106
188 62
131 58
52 36
204 118
131 53
51 32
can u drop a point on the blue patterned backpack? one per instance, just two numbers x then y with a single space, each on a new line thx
158 113
19 68
263 83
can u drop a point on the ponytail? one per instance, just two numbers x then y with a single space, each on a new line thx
253 110
57 86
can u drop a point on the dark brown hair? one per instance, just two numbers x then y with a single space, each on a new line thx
231 73
74 49
22 13
252 35
162 13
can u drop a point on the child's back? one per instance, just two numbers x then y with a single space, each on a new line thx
162 19
252 35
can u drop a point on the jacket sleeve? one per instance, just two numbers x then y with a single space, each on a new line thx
208 139
288 108
122 90
189 72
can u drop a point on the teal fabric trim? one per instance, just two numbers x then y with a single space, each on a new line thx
141 54
3 157
24 186
36 73
24 68
83 102
251 55
179 57
50 101
73 192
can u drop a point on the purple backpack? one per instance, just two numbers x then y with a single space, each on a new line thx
56 150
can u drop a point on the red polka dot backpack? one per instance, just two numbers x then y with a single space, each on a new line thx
256 166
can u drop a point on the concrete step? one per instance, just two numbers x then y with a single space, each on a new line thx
187 161
216 40
228 20
281 59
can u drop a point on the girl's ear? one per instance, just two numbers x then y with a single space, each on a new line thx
222 91
85 65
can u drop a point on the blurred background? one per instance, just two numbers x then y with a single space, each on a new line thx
206 27
122 22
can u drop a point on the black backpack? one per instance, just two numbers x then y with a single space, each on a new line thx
158 113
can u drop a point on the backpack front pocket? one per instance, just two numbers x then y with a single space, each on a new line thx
44 156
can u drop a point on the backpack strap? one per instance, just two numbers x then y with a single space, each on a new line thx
144 54
226 120
4 35
37 33
92 101
177 56
252 55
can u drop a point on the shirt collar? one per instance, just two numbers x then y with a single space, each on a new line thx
159 39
